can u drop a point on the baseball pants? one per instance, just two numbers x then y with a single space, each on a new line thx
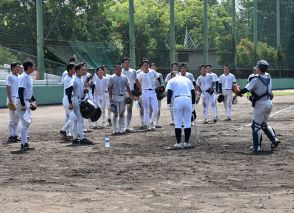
228 94
182 111
149 98
119 115
100 100
25 119
78 124
207 100
13 121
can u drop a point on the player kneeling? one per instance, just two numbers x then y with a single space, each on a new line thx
181 90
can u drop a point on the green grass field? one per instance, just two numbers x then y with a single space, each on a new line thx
283 92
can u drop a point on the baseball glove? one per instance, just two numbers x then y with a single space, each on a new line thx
236 89
11 106
198 96
160 96
33 106
210 91
136 93
220 98
160 90
128 100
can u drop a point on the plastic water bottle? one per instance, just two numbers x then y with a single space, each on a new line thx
106 142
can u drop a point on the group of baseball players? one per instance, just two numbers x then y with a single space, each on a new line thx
145 88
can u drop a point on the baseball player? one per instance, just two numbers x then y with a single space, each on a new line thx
100 90
175 68
67 101
132 76
204 85
147 80
181 89
213 98
118 84
254 74
139 102
226 83
107 76
183 72
261 89
72 60
78 94
24 97
11 90
159 83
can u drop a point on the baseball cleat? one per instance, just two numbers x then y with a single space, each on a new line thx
63 133
75 141
187 145
25 147
172 123
179 145
85 141
17 138
109 122
11 140
129 129
228 119
205 121
275 144
214 120
258 148
158 126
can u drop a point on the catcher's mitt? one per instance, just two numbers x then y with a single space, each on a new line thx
236 89
136 93
128 100
160 90
210 91
11 106
220 98
33 106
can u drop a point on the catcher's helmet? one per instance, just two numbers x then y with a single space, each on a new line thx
87 108
96 115
220 98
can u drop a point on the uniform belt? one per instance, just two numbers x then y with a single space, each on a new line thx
119 94
77 97
25 99
182 96
227 89
148 89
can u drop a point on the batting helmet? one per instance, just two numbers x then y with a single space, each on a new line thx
220 98
96 115
87 108
128 100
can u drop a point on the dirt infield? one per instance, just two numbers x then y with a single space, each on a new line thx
138 175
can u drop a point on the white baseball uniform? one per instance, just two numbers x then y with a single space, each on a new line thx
12 83
78 94
148 86
25 81
213 101
118 85
132 76
159 83
182 107
68 127
205 82
100 92
227 82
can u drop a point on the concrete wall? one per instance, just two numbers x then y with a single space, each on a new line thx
45 95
